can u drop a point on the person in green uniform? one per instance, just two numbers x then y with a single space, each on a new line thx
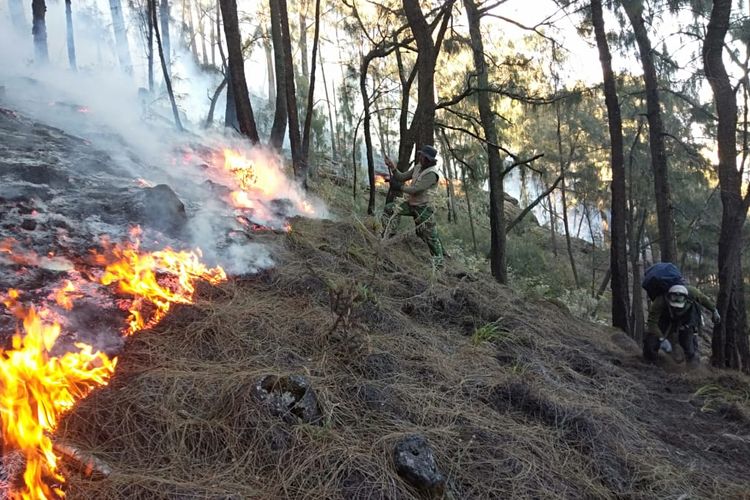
418 205
674 320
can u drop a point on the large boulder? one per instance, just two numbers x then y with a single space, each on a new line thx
415 463
161 209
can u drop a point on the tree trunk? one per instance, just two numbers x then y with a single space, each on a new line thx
166 47
730 341
618 248
39 31
121 36
187 6
291 96
70 36
563 167
497 191
278 128
310 95
202 32
17 16
212 108
230 109
303 39
334 153
664 207
213 44
237 71
269 68
150 47
167 79
366 128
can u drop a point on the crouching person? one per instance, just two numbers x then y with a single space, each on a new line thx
674 320
420 192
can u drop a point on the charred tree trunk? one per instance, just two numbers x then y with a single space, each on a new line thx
278 129
39 31
311 93
497 191
618 249
70 36
237 80
167 79
121 36
291 96
230 109
17 16
730 341
664 207
166 47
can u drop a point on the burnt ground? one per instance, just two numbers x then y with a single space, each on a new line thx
516 398
537 405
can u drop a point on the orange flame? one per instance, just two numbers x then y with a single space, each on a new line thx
36 388
136 274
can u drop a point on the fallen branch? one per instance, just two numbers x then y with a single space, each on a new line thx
89 466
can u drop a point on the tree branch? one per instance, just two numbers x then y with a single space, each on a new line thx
533 204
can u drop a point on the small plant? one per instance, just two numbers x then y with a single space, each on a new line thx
714 396
491 332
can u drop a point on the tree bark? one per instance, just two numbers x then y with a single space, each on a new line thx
278 128
121 36
188 12
497 190
291 96
618 249
730 341
230 109
311 93
166 47
167 79
237 71
39 31
70 36
664 206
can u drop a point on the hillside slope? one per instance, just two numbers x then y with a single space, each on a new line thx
536 405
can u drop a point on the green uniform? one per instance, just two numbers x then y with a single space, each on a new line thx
677 326
418 206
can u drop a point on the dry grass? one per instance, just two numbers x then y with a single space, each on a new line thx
547 408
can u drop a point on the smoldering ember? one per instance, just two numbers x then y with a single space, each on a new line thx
208 290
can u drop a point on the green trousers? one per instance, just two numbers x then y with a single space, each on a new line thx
424 219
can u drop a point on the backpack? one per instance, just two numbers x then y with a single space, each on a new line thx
659 278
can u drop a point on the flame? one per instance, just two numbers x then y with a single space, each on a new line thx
62 296
259 180
143 182
380 181
137 274
36 388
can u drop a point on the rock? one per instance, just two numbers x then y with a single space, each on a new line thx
291 398
162 209
379 365
415 463
282 207
28 224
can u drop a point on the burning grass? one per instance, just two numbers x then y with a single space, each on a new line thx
550 408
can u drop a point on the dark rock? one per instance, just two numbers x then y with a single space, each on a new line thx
291 398
40 174
28 224
415 463
162 209
282 207
217 188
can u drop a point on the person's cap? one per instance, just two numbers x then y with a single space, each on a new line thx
677 296
429 152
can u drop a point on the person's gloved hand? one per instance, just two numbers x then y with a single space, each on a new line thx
665 345
715 317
